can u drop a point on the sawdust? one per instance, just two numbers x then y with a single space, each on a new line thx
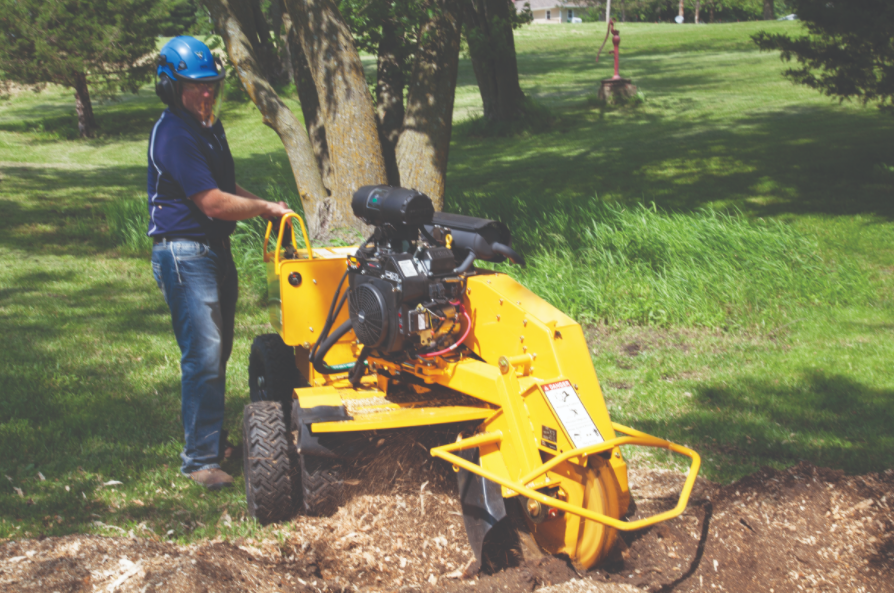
803 529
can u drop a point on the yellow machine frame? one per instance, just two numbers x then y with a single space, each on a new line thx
529 345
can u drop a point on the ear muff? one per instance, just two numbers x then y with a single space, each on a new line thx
166 90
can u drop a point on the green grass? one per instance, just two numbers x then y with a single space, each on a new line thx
604 263
734 274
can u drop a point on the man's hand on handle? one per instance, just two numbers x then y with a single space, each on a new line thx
239 206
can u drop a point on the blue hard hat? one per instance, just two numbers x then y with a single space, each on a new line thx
188 59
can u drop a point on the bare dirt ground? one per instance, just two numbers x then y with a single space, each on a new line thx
803 529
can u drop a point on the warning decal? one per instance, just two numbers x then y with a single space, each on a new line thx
572 414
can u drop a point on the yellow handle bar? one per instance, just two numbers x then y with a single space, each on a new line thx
282 226
634 437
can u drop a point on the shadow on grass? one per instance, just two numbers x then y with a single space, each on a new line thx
825 418
127 117
801 160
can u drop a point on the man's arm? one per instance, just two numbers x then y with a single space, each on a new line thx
226 206
244 193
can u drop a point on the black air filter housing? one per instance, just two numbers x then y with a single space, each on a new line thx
399 207
474 234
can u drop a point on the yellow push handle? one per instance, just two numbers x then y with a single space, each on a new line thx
634 437
282 226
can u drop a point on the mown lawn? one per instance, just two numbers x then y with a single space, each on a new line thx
89 369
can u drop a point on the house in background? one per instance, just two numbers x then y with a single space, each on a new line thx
555 11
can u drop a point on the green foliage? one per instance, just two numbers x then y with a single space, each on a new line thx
181 18
128 220
666 10
109 40
366 18
848 53
605 263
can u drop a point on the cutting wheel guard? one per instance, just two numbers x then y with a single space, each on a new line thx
633 437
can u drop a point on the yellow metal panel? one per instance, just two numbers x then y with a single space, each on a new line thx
312 397
304 307
404 417
510 320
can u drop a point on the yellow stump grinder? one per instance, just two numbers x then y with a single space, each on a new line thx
429 339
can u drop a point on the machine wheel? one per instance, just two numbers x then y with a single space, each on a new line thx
322 485
267 463
591 541
271 370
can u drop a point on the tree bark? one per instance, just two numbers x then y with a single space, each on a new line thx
280 29
769 10
390 97
86 121
697 7
274 112
681 8
424 143
355 153
492 49
310 103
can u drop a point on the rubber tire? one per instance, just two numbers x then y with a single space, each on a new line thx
267 462
273 361
322 486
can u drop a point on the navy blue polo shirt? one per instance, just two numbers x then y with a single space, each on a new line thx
185 159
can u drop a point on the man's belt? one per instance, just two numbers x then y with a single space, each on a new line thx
220 242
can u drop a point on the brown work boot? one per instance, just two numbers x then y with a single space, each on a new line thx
212 479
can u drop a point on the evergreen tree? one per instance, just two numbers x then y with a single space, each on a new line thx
105 44
848 53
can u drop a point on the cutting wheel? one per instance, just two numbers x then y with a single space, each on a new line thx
585 542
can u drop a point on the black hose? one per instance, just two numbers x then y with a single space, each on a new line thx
330 318
510 253
467 263
320 366
359 367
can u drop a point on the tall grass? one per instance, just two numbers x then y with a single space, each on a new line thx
128 220
604 262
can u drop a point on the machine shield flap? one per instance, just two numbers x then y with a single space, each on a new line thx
482 503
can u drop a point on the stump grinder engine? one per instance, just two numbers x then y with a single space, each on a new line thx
429 339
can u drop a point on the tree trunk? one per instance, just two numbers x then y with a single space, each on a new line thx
274 112
424 143
608 10
711 12
310 104
623 11
492 49
283 72
681 8
86 121
769 10
697 6
390 97
355 153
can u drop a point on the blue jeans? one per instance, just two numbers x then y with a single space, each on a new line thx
200 286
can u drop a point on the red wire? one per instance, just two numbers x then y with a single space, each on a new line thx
458 342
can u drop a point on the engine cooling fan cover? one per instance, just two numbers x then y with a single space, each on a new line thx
368 315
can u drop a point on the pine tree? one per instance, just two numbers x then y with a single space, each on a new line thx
104 44
849 51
